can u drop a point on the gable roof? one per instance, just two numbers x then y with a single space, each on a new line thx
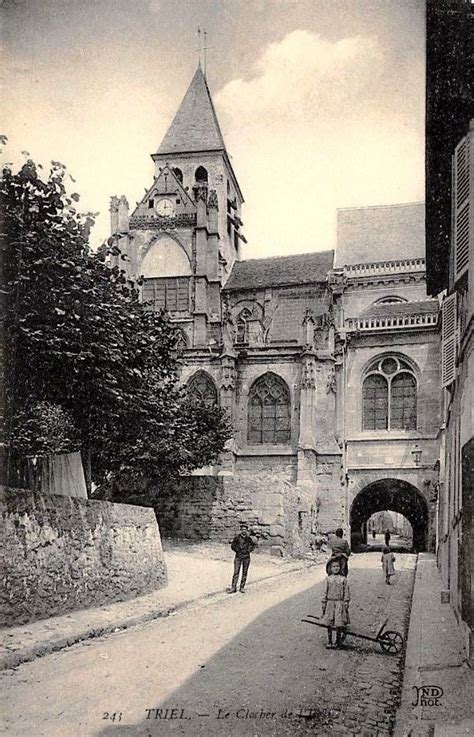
304 268
401 308
381 233
195 126
172 186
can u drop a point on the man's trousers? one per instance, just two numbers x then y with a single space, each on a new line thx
244 564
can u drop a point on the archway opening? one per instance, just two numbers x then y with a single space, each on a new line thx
387 495
201 174
398 526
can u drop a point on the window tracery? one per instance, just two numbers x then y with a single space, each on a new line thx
269 411
389 396
201 388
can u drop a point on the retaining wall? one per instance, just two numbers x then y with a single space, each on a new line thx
65 553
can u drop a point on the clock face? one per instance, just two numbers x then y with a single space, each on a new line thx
165 207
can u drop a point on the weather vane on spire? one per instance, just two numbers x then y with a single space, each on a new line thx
202 49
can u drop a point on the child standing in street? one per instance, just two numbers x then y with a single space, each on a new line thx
388 559
336 604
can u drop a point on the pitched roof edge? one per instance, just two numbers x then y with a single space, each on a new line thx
378 207
288 255
280 284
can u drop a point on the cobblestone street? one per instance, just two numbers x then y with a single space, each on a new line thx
245 665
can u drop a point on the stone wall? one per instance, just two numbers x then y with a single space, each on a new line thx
65 553
210 507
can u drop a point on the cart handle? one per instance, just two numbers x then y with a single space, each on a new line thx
384 623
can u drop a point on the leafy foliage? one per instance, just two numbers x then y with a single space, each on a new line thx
44 428
78 338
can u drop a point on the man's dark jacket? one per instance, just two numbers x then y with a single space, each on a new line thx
242 546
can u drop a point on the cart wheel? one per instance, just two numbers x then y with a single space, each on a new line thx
391 642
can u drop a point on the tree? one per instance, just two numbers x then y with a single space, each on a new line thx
79 339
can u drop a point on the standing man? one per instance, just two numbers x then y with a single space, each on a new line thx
340 549
242 545
337 542
387 538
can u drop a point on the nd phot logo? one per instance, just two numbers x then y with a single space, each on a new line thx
427 695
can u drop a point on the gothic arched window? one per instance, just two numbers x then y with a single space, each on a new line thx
201 174
389 396
201 388
269 415
241 326
178 174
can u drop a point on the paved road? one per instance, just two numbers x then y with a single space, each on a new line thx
246 664
396 542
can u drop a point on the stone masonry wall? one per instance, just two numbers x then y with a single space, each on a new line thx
209 507
65 553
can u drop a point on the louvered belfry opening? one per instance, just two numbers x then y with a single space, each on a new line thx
269 417
201 174
201 389
170 293
389 396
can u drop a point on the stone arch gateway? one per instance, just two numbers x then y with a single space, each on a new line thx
390 494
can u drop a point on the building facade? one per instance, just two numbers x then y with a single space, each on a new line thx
455 511
388 332
327 363
450 274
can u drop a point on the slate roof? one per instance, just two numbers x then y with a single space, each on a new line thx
304 268
382 233
394 309
195 126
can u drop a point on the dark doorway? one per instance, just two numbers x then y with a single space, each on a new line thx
389 495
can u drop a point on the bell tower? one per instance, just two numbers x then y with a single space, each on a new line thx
185 234
194 147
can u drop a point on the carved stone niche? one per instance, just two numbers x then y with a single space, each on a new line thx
331 382
308 328
212 200
200 191
228 373
308 380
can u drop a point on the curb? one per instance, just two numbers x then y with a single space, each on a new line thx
42 648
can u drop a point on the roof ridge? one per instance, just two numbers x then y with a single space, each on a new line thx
216 120
290 255
375 207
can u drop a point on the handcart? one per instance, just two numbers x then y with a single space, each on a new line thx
390 641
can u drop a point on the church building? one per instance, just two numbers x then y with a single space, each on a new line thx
327 362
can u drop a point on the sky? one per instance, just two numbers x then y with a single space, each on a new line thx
321 102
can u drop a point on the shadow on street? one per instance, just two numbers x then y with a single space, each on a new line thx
276 677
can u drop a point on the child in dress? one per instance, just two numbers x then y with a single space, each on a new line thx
388 559
336 604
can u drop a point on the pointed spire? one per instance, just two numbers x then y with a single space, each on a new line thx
195 126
